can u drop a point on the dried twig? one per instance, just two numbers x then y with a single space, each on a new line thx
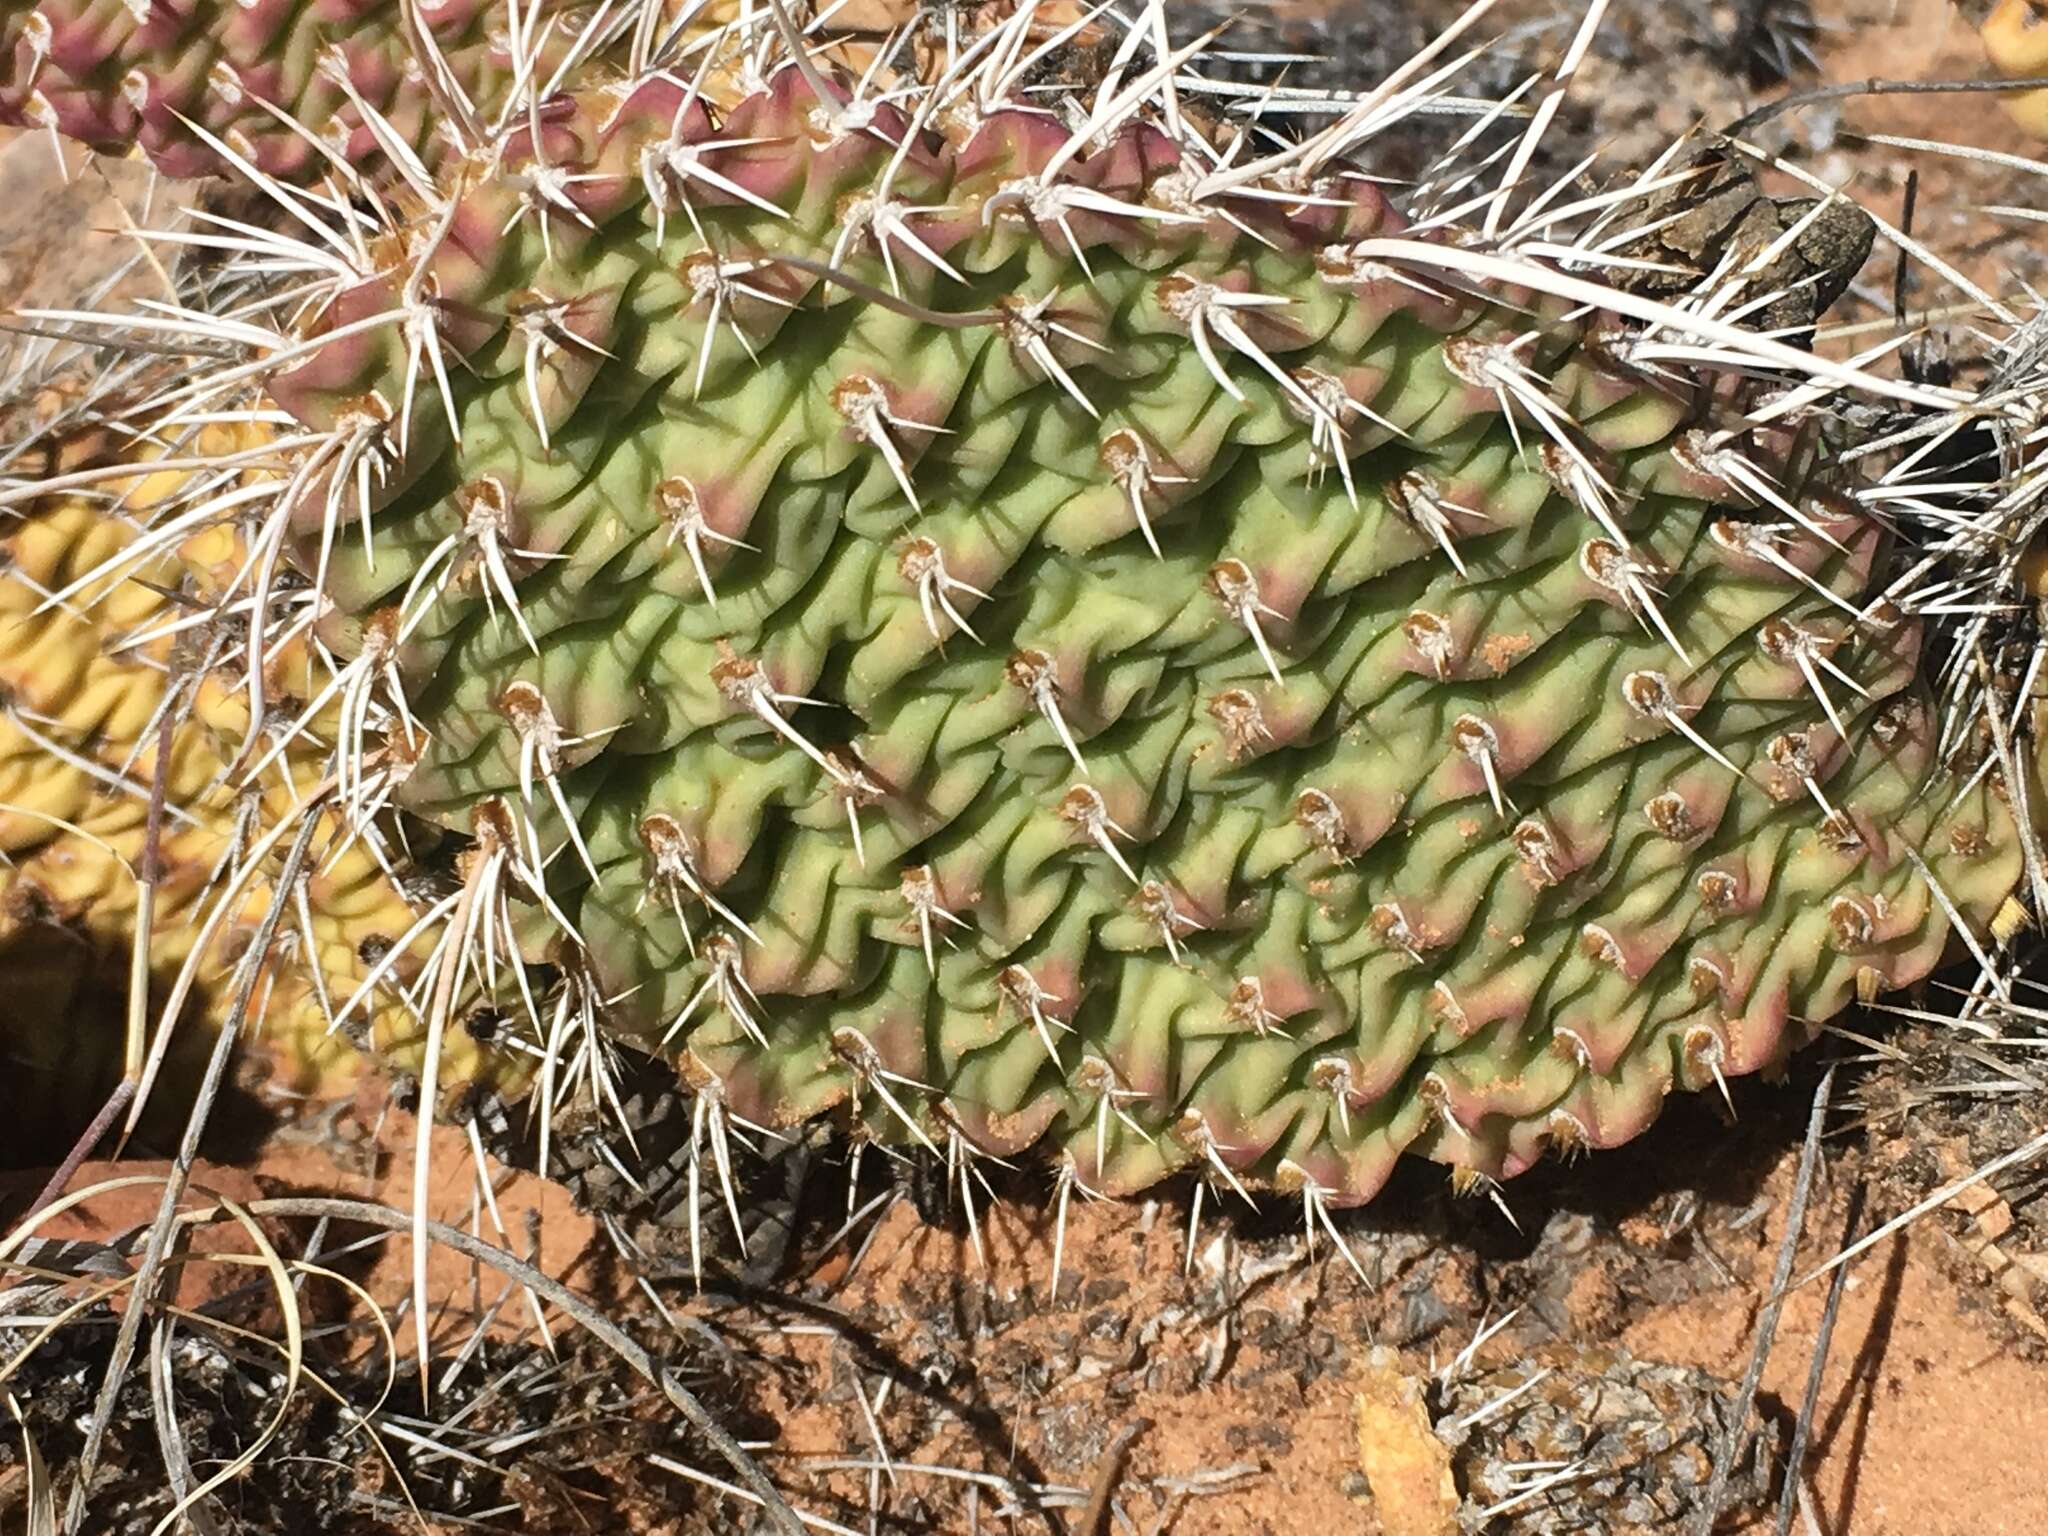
1874 86
1108 1473
1802 1431
1767 1323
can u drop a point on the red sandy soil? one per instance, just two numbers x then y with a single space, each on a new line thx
1933 1413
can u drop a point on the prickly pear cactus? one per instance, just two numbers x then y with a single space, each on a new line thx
276 80
1035 638
1040 630
87 658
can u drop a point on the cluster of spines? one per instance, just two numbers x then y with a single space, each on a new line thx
292 89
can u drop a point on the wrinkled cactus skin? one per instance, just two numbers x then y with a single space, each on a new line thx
1365 814
119 73
72 838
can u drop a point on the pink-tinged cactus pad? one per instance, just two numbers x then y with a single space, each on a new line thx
264 77
1041 660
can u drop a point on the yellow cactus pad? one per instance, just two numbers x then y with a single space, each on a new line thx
2016 42
83 681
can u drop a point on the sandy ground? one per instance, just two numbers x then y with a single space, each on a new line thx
1933 1410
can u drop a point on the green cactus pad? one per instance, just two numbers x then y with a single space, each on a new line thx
1037 649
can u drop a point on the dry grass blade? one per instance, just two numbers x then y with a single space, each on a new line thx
610 1334
1874 86
146 878
41 1498
288 1303
55 1323
363 1418
181 1171
224 905
705 1479
2024 1153
170 1433
100 1124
